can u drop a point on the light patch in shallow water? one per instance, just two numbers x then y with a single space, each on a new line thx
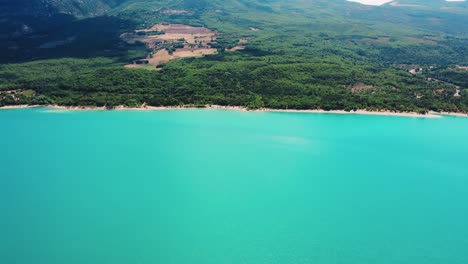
371 2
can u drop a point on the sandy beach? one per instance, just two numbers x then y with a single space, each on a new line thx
57 108
454 114
18 106
359 112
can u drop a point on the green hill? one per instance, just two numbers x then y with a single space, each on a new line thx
52 7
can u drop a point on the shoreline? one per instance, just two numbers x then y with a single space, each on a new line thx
59 108
453 114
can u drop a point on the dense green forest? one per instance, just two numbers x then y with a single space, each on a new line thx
300 55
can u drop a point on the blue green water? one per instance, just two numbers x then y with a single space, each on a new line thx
206 186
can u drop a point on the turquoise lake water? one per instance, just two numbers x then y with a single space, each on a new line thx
207 186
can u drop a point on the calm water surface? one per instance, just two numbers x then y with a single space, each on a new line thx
206 186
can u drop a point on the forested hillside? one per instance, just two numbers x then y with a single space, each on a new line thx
404 56
51 7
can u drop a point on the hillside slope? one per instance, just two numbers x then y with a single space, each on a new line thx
52 7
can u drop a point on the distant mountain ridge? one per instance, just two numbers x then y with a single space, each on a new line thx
52 7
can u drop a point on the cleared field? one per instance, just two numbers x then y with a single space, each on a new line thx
185 53
176 11
172 41
171 33
178 29
236 48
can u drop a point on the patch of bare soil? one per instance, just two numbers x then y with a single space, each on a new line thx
236 48
176 12
440 92
240 45
420 40
16 94
416 71
172 41
180 29
132 66
187 52
361 87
